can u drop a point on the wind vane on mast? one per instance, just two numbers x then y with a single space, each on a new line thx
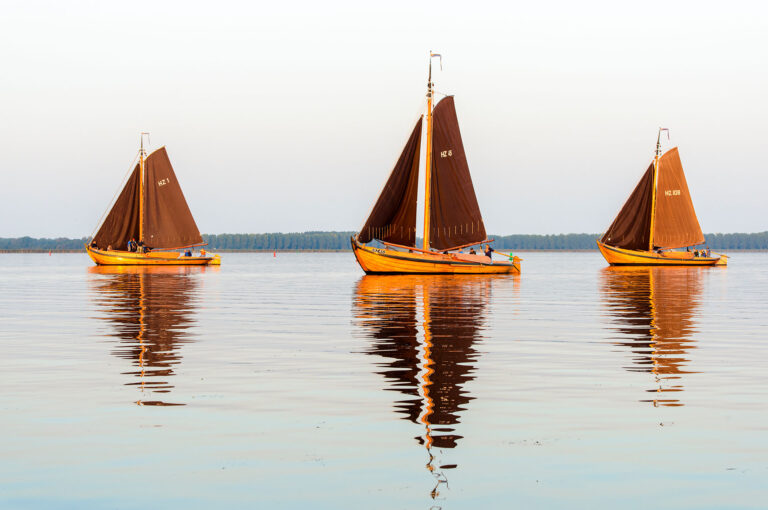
658 140
439 56
429 81
142 140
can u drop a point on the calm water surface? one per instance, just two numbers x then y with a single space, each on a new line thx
296 382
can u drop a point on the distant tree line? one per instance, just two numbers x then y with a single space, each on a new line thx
546 242
340 241
41 244
280 241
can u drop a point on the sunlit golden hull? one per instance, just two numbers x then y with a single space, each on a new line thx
158 258
386 261
621 257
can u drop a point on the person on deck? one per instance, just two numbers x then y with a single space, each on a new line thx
472 251
488 250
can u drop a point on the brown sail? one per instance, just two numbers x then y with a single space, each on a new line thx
393 218
122 223
632 226
455 218
675 225
168 223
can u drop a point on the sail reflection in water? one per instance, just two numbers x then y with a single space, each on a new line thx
654 309
426 328
150 310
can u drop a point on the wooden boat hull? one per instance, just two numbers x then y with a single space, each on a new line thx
387 261
621 257
154 258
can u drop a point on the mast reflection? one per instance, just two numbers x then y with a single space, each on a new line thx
426 329
654 310
150 310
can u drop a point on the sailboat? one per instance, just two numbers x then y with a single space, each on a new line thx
658 219
452 219
149 219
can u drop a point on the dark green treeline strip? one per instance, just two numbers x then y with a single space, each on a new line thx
280 241
41 244
340 241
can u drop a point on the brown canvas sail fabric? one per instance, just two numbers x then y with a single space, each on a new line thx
675 225
632 227
122 223
393 218
455 218
168 222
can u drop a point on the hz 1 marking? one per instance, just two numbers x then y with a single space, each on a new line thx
672 192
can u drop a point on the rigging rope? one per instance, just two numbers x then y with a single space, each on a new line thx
114 197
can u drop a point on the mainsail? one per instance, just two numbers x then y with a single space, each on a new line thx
455 218
168 222
122 223
393 218
675 225
632 227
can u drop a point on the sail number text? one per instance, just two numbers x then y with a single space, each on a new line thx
672 192
446 154
163 182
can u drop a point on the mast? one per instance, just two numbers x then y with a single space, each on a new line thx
428 163
653 187
142 154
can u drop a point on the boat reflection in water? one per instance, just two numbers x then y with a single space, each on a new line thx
654 309
426 328
150 310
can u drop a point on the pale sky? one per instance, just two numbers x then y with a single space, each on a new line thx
288 116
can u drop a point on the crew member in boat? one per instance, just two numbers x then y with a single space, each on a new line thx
472 251
488 250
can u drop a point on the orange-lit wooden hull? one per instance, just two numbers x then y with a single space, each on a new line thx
155 258
621 257
387 261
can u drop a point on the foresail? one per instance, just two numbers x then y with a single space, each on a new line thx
122 223
168 222
393 218
632 227
455 218
675 225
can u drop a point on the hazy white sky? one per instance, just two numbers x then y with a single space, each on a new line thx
288 116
